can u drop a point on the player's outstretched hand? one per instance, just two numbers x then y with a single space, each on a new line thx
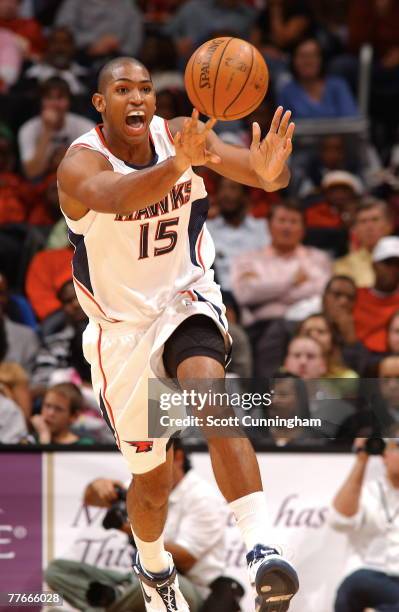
190 142
268 156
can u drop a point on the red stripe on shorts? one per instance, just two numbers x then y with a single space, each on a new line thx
105 384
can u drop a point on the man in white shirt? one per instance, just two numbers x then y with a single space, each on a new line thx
369 513
44 139
195 534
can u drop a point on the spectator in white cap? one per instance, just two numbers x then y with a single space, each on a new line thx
329 217
373 220
375 305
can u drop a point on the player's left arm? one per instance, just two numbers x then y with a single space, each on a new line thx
264 164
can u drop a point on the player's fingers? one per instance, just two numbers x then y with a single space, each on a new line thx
276 119
256 133
194 121
287 149
290 130
210 123
284 123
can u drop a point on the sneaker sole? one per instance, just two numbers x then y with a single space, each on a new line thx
276 584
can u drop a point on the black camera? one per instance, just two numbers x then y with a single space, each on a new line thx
117 516
100 595
375 446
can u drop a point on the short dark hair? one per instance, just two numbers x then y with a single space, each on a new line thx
370 202
72 393
109 66
55 83
288 204
339 277
302 41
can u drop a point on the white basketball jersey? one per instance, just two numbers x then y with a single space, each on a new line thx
129 267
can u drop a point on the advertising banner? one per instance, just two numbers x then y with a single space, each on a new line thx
20 523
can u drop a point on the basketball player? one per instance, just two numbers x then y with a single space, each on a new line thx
136 215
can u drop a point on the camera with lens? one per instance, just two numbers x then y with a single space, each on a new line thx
375 446
117 516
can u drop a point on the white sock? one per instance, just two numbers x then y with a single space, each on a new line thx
252 518
153 556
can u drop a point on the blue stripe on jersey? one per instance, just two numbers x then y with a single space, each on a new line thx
218 311
105 414
80 262
198 215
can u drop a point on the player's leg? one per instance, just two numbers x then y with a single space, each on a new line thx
196 352
147 506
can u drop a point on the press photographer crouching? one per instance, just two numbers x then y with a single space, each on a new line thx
369 513
195 534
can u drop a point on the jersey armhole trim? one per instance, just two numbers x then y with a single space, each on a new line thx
168 132
83 145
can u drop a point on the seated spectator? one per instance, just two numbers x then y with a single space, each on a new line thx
11 59
330 215
60 408
337 305
388 374
334 152
159 56
241 356
373 220
319 328
311 94
102 29
305 358
282 24
194 532
21 341
290 400
366 511
62 349
59 61
50 133
376 305
13 428
47 272
27 31
285 274
234 231
16 197
15 382
46 210
196 21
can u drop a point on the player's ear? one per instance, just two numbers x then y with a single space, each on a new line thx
98 102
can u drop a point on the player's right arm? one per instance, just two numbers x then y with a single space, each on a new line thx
86 181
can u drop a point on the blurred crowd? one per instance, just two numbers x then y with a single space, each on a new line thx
310 275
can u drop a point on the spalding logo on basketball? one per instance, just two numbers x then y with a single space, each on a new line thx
226 78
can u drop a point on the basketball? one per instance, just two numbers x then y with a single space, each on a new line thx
226 78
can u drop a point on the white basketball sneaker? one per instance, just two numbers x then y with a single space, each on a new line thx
273 578
160 591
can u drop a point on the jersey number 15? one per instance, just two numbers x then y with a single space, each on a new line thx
162 233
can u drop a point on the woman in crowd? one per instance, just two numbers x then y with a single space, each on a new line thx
312 94
318 327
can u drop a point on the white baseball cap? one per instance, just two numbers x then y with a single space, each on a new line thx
341 177
386 248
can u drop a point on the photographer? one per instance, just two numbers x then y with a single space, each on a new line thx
369 513
195 535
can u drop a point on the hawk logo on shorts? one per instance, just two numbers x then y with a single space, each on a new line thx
142 447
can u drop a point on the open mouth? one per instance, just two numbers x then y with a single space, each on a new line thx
136 120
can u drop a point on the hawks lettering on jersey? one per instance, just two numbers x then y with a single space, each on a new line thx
177 197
